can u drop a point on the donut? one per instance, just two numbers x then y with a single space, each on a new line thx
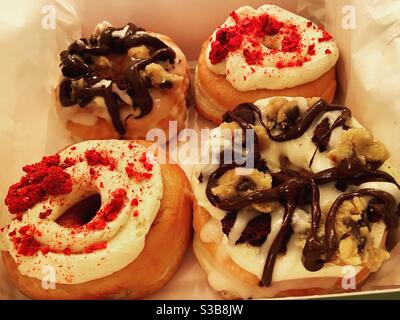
302 206
121 83
256 54
100 220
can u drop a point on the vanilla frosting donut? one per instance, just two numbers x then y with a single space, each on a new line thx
122 82
318 195
270 48
129 183
261 53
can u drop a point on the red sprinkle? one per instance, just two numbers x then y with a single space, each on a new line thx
309 24
138 176
136 214
25 244
45 250
253 57
68 162
109 212
325 36
67 251
134 202
291 40
45 214
311 49
93 174
95 158
328 51
146 164
95 247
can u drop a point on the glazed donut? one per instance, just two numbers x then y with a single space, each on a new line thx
313 192
256 54
104 216
121 83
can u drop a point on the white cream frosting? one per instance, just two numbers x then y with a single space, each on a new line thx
124 236
245 77
299 152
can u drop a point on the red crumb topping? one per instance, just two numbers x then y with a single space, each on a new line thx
291 40
95 247
93 174
68 162
45 250
136 214
311 49
95 158
134 174
73 148
42 179
130 146
24 241
110 211
134 202
67 251
253 56
230 39
325 36
45 214
146 164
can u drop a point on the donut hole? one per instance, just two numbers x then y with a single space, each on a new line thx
271 43
81 213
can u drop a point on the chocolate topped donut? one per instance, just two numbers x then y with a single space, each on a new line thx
320 180
120 68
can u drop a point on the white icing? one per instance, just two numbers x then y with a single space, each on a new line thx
246 77
122 94
221 280
124 236
120 33
301 221
211 231
240 224
102 84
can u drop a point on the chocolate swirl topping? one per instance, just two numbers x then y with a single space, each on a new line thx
294 188
76 63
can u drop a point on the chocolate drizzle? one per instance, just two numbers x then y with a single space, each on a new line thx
76 63
305 121
294 188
